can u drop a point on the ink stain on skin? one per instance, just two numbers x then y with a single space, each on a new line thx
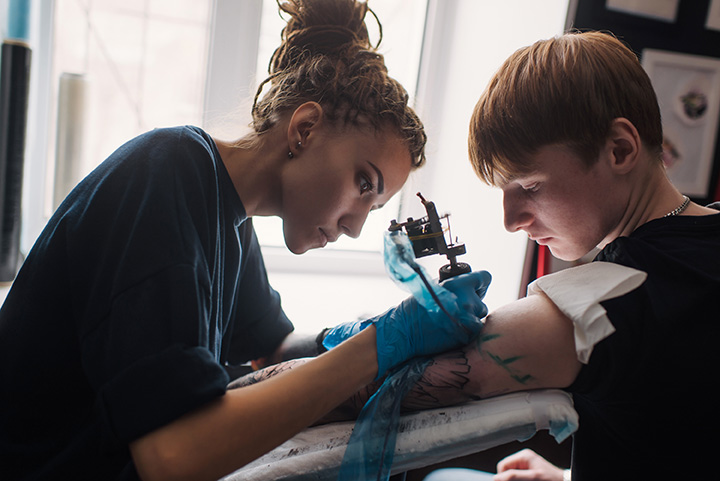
506 365
511 360
483 338
503 363
522 380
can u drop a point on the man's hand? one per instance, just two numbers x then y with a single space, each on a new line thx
527 465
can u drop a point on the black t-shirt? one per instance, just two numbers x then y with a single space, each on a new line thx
646 399
146 280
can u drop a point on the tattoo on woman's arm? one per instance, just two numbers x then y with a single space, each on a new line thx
265 373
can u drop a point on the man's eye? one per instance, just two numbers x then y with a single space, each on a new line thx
531 188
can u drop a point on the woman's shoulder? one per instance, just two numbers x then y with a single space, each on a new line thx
161 151
162 159
187 139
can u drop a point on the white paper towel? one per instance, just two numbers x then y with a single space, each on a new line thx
578 291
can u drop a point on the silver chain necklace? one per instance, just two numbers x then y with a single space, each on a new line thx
679 209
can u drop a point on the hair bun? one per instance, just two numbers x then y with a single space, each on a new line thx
333 28
326 57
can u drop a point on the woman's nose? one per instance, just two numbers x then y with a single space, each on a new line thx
351 224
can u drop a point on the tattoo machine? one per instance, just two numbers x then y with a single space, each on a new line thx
420 238
427 238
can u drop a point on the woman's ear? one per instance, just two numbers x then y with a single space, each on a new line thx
303 126
624 145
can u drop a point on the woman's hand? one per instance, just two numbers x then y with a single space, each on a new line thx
409 330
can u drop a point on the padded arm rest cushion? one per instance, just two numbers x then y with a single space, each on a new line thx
424 437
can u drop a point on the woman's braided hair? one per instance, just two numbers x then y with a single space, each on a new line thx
326 57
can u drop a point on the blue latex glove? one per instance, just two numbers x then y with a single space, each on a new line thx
410 330
371 447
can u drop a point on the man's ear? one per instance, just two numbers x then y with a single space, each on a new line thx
624 145
303 126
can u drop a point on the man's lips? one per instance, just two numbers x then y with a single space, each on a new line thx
327 237
540 240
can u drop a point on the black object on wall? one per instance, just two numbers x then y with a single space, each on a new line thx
14 91
686 34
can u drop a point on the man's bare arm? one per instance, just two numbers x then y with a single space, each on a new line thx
527 344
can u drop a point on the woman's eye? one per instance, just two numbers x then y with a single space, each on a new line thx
365 185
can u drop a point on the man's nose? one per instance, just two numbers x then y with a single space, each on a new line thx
517 216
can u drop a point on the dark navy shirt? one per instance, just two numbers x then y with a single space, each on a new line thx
646 399
145 282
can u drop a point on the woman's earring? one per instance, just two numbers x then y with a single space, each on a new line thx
290 154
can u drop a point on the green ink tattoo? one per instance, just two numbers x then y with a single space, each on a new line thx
483 338
503 363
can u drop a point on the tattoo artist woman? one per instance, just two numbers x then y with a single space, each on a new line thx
149 277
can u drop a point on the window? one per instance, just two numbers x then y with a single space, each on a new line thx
111 70
140 65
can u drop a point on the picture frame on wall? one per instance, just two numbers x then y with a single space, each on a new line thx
688 91
663 10
712 22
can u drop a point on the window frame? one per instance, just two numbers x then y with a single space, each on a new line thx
230 78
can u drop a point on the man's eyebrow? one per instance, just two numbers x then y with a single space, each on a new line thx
381 180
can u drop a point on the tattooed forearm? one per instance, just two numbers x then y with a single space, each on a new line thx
469 374
262 374
350 408
442 384
346 411
451 378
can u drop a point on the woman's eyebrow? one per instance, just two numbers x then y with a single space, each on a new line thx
381 180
